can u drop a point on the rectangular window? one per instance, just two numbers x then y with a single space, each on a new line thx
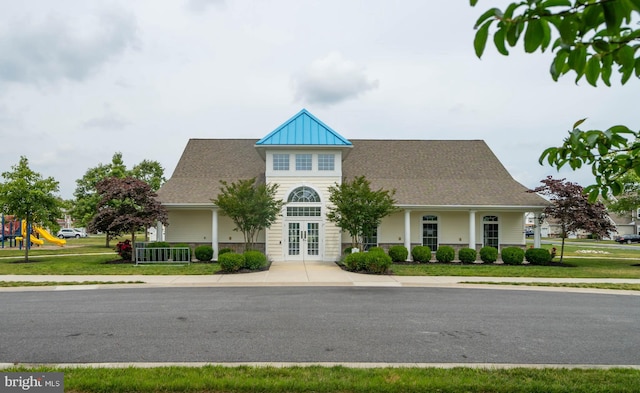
280 162
326 162
370 239
430 235
303 162
303 211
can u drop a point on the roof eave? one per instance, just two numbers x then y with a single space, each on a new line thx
528 208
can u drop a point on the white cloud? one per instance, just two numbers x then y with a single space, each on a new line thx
110 121
200 6
47 49
330 80
182 69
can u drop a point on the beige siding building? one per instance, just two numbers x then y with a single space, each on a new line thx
450 192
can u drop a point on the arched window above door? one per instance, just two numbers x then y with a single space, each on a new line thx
305 195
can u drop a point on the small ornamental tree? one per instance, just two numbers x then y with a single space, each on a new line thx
29 197
573 211
251 206
86 197
126 205
357 209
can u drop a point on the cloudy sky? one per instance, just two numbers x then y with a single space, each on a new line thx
81 80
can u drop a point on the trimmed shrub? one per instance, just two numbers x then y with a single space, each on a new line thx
157 245
377 262
124 250
180 255
537 256
224 251
231 262
355 262
347 250
398 253
204 253
421 254
254 260
467 255
512 255
445 254
488 254
376 249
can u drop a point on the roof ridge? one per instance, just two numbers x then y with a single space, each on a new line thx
284 126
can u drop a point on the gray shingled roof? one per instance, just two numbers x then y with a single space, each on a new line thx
423 172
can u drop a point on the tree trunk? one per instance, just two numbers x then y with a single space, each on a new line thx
133 246
562 250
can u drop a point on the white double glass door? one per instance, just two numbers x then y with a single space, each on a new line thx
303 240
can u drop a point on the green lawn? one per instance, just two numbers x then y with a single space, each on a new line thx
342 379
87 256
575 267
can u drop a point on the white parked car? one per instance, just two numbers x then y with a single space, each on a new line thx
66 233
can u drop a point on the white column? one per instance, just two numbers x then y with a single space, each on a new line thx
214 233
159 232
407 232
472 229
536 230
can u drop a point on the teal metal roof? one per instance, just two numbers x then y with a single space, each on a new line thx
304 129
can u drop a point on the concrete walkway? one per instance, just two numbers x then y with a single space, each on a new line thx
308 274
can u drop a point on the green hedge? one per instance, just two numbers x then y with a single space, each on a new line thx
231 262
421 254
368 262
398 253
224 251
204 253
488 254
445 254
377 262
254 260
355 262
467 255
512 255
537 256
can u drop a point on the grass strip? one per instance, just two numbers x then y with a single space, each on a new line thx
343 379
615 286
11 284
572 268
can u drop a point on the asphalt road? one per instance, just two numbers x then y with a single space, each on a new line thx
319 324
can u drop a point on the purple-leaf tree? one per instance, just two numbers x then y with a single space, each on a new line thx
571 208
126 205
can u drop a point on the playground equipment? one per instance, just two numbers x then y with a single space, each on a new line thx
42 232
9 230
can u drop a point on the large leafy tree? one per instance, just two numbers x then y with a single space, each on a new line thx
573 211
357 209
592 38
126 205
251 206
29 196
86 196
